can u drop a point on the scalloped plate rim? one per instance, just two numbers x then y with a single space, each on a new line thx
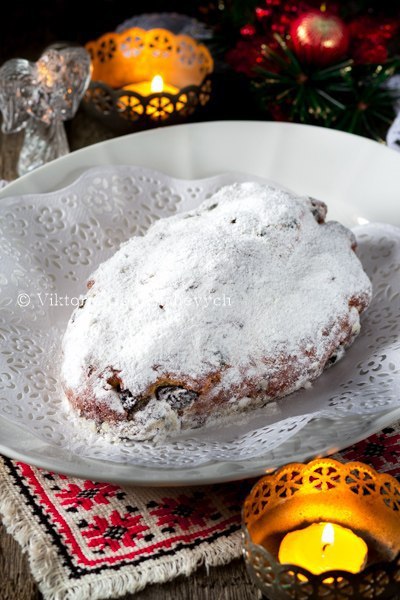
162 138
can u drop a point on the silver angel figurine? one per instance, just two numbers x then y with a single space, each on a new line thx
38 97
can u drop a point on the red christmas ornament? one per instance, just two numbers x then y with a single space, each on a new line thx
319 39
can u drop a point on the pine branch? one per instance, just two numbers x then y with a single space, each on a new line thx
346 96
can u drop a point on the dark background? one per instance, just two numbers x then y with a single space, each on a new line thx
26 28
29 27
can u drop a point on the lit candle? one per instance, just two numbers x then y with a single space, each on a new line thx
324 547
156 85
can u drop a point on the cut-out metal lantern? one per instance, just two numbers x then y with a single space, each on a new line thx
288 559
38 96
142 78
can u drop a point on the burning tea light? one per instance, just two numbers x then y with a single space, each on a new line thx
162 107
324 547
155 86
142 78
314 530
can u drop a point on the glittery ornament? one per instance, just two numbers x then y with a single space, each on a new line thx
319 39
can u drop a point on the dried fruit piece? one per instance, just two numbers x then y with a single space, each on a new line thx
177 397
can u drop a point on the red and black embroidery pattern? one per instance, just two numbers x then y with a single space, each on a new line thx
381 451
115 532
88 494
96 526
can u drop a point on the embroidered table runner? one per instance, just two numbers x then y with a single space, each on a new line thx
89 540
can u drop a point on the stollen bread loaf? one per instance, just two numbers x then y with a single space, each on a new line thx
214 312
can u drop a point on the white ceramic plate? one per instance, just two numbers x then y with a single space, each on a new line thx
356 177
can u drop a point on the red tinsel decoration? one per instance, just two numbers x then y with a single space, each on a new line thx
248 30
246 55
273 17
370 37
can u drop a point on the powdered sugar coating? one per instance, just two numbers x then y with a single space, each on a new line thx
240 301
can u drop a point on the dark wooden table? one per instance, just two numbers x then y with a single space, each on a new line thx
16 582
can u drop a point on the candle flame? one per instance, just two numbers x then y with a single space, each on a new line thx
328 535
157 84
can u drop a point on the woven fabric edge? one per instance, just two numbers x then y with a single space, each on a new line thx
46 567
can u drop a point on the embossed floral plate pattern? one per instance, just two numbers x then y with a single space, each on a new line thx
49 245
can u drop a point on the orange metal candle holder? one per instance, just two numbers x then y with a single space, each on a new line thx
352 495
136 55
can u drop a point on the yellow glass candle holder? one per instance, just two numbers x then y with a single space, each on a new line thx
125 68
324 530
